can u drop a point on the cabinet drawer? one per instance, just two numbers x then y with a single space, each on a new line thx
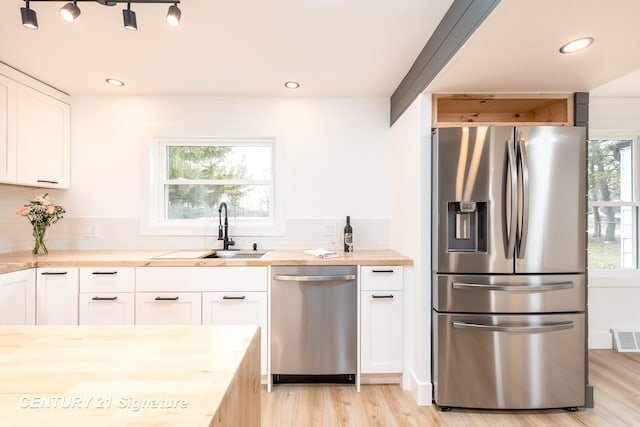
107 279
168 308
381 278
106 308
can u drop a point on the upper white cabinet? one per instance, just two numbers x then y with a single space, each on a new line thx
57 296
44 139
18 298
8 114
35 132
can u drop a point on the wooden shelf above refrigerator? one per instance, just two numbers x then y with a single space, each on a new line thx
455 110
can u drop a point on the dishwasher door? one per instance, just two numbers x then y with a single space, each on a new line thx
313 324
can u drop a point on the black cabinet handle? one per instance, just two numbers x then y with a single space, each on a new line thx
97 273
104 298
387 270
382 296
53 273
227 297
46 181
167 298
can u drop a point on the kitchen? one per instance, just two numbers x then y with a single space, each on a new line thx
106 210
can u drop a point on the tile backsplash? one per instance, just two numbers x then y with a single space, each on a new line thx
74 233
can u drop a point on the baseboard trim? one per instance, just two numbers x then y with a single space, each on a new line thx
380 378
600 340
421 391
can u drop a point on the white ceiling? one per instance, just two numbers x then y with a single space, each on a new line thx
333 47
237 47
516 50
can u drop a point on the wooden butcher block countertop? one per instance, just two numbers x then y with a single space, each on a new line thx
130 376
157 258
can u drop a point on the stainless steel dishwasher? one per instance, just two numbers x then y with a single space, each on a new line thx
313 324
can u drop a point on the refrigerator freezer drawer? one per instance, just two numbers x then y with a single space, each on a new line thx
509 361
509 294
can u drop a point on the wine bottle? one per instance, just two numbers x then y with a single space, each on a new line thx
348 237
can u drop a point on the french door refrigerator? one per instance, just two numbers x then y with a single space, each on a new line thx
508 261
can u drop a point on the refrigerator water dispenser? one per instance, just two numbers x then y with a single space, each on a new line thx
467 226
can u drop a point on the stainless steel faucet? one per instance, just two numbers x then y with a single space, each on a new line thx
223 233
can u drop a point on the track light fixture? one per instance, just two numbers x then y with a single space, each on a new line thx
29 17
130 22
70 11
173 15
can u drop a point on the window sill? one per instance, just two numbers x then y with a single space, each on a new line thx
614 278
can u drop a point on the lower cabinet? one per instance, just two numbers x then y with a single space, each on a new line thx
18 298
107 308
107 296
381 320
168 308
238 308
57 296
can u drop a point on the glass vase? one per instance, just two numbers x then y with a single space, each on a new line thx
39 248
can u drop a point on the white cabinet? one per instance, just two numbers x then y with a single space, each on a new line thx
18 298
381 319
35 132
8 114
223 295
44 139
57 296
107 296
238 308
168 308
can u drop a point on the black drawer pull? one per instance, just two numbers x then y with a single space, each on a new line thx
53 273
104 298
382 296
227 297
167 298
46 181
105 273
387 270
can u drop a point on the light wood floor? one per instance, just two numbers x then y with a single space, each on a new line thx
615 377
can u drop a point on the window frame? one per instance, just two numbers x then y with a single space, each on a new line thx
155 222
621 277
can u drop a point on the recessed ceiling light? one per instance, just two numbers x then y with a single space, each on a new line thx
291 85
115 82
576 45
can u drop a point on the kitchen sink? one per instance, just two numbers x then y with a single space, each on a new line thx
239 255
211 254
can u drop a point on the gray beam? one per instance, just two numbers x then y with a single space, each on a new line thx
460 21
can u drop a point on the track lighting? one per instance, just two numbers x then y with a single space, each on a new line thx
29 17
173 15
129 16
70 11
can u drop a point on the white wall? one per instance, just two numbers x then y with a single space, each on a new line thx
411 234
337 164
613 296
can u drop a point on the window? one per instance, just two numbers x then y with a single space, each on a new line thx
192 176
613 203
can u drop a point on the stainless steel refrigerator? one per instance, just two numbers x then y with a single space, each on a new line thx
509 254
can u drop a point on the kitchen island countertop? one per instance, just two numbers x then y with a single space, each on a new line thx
15 261
130 376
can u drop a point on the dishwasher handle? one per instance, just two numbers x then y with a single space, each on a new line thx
314 278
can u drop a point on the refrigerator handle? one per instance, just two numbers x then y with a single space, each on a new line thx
524 214
550 327
513 184
555 286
